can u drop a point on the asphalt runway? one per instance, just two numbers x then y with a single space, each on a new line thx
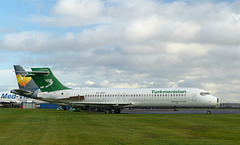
180 111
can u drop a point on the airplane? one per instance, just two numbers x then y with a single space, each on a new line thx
27 87
115 99
10 98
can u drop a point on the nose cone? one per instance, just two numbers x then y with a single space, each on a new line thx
213 101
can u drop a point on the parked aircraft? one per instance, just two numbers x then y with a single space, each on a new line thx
115 99
10 98
27 86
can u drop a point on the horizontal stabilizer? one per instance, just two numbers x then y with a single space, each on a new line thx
21 92
32 73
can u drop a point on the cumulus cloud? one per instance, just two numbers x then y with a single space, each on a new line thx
108 84
26 40
78 8
145 43
73 13
89 83
8 79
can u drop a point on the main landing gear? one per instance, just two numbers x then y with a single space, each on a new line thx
115 111
175 108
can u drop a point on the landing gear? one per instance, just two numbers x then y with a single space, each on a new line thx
99 109
64 108
175 108
209 112
107 111
117 111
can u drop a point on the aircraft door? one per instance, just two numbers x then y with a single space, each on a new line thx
194 97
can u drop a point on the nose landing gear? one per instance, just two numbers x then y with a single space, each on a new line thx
209 112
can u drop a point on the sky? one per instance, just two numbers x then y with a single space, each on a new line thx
125 43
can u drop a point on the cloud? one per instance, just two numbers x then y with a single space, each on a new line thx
185 49
72 85
78 8
90 83
8 79
108 84
72 13
145 28
25 41
143 43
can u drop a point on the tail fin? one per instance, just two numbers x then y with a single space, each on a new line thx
26 85
45 80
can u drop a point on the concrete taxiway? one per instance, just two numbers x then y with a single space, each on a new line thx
180 111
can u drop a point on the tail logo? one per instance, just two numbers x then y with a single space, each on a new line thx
50 81
23 81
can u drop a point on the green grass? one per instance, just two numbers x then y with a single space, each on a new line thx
44 127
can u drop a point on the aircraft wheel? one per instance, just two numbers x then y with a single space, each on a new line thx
107 111
175 108
64 108
209 112
117 111
99 109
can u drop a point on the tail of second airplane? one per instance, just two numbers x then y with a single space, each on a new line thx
45 80
26 85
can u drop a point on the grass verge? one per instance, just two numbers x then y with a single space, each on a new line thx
41 126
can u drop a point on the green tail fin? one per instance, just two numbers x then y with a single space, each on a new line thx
45 80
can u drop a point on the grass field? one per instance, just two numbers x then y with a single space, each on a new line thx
44 127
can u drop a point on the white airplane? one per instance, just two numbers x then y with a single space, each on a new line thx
27 87
27 91
10 98
116 99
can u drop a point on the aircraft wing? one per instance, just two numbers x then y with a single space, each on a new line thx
102 103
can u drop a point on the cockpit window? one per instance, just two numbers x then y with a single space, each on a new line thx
204 93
